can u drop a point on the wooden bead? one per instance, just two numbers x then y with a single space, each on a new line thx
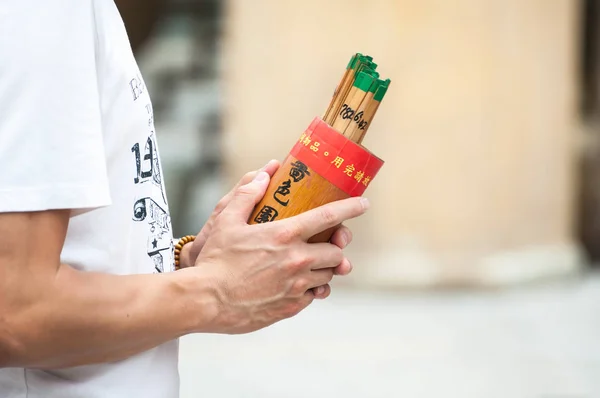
179 247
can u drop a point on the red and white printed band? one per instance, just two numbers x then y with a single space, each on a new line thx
334 157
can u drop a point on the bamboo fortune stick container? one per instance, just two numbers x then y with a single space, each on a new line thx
322 167
328 162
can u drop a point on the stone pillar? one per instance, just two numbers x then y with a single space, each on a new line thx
477 129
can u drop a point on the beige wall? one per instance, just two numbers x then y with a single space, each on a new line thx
477 129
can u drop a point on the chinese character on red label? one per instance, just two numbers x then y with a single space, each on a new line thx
351 167
349 170
359 175
337 161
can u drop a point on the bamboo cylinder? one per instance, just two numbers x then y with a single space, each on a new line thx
323 166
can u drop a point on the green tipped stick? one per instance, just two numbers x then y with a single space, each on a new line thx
360 88
348 75
356 98
374 106
364 113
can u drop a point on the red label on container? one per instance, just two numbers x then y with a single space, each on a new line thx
340 161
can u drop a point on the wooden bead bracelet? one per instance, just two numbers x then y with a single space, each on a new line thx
179 247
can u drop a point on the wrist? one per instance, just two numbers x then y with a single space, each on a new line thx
201 298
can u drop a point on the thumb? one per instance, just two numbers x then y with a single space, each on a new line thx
246 197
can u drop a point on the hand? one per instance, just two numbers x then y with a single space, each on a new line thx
264 273
341 237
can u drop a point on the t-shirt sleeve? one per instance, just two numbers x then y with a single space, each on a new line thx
51 145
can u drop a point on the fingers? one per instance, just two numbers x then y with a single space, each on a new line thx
341 237
322 292
246 197
271 167
344 268
320 278
322 255
327 216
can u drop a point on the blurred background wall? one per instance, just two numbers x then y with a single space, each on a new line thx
489 130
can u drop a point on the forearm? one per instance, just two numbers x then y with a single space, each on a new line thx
83 318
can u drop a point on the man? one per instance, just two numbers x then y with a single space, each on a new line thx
89 305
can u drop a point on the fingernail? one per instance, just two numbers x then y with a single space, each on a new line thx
320 290
261 176
347 238
365 203
344 239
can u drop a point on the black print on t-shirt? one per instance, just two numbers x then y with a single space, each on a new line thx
137 87
146 209
150 206
147 165
152 209
151 113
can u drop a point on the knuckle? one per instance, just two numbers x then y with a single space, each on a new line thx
328 216
221 204
288 233
298 261
299 286
241 192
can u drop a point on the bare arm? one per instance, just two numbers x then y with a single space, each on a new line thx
248 277
53 316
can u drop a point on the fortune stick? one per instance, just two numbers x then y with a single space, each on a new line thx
357 99
373 106
357 64
349 70
353 101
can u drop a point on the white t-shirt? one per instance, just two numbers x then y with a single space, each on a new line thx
76 132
